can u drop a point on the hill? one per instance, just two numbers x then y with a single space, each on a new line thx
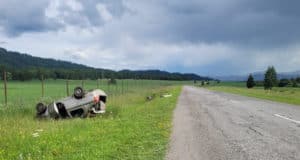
25 67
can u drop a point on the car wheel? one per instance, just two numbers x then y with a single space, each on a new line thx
78 92
41 108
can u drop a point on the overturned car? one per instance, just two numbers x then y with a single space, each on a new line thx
80 104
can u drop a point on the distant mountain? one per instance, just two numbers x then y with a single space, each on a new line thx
25 67
259 76
20 60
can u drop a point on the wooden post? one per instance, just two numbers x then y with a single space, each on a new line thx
67 87
108 87
5 87
42 80
122 86
116 88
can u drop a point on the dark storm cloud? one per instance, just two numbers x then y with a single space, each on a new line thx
230 21
17 17
252 22
23 16
247 22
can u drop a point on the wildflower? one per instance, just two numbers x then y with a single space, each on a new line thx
35 135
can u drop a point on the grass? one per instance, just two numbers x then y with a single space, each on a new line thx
279 94
132 128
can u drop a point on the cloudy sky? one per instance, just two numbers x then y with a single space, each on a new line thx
208 37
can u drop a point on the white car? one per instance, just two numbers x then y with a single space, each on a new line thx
80 104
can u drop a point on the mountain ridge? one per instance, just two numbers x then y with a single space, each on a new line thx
25 66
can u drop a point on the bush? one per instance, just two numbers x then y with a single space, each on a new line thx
112 81
283 83
294 82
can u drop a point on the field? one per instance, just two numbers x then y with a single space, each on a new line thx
280 94
132 127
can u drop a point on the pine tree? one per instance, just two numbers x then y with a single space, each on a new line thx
270 78
250 81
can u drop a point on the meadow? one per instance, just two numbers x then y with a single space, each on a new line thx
279 94
132 127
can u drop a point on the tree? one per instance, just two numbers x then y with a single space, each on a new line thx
270 79
250 81
40 74
298 79
2 70
8 76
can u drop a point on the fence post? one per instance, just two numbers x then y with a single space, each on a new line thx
42 79
98 83
5 87
122 86
82 83
127 85
116 89
67 87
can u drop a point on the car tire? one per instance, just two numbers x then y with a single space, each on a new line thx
40 108
78 92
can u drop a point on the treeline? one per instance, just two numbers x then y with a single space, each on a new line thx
25 67
78 74
270 80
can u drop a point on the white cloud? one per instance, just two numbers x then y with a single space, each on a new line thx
74 5
103 12
76 54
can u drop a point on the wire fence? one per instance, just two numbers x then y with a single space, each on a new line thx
17 93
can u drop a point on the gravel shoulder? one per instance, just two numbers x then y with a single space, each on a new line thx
215 125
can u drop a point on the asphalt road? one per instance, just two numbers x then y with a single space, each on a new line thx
211 125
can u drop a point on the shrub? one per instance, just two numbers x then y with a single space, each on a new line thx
283 83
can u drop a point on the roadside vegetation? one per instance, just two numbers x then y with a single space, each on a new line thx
280 94
132 128
283 90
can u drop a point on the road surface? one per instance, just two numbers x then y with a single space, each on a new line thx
211 125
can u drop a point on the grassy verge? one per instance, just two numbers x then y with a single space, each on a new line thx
132 128
285 95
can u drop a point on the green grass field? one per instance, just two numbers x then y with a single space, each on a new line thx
280 94
132 127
